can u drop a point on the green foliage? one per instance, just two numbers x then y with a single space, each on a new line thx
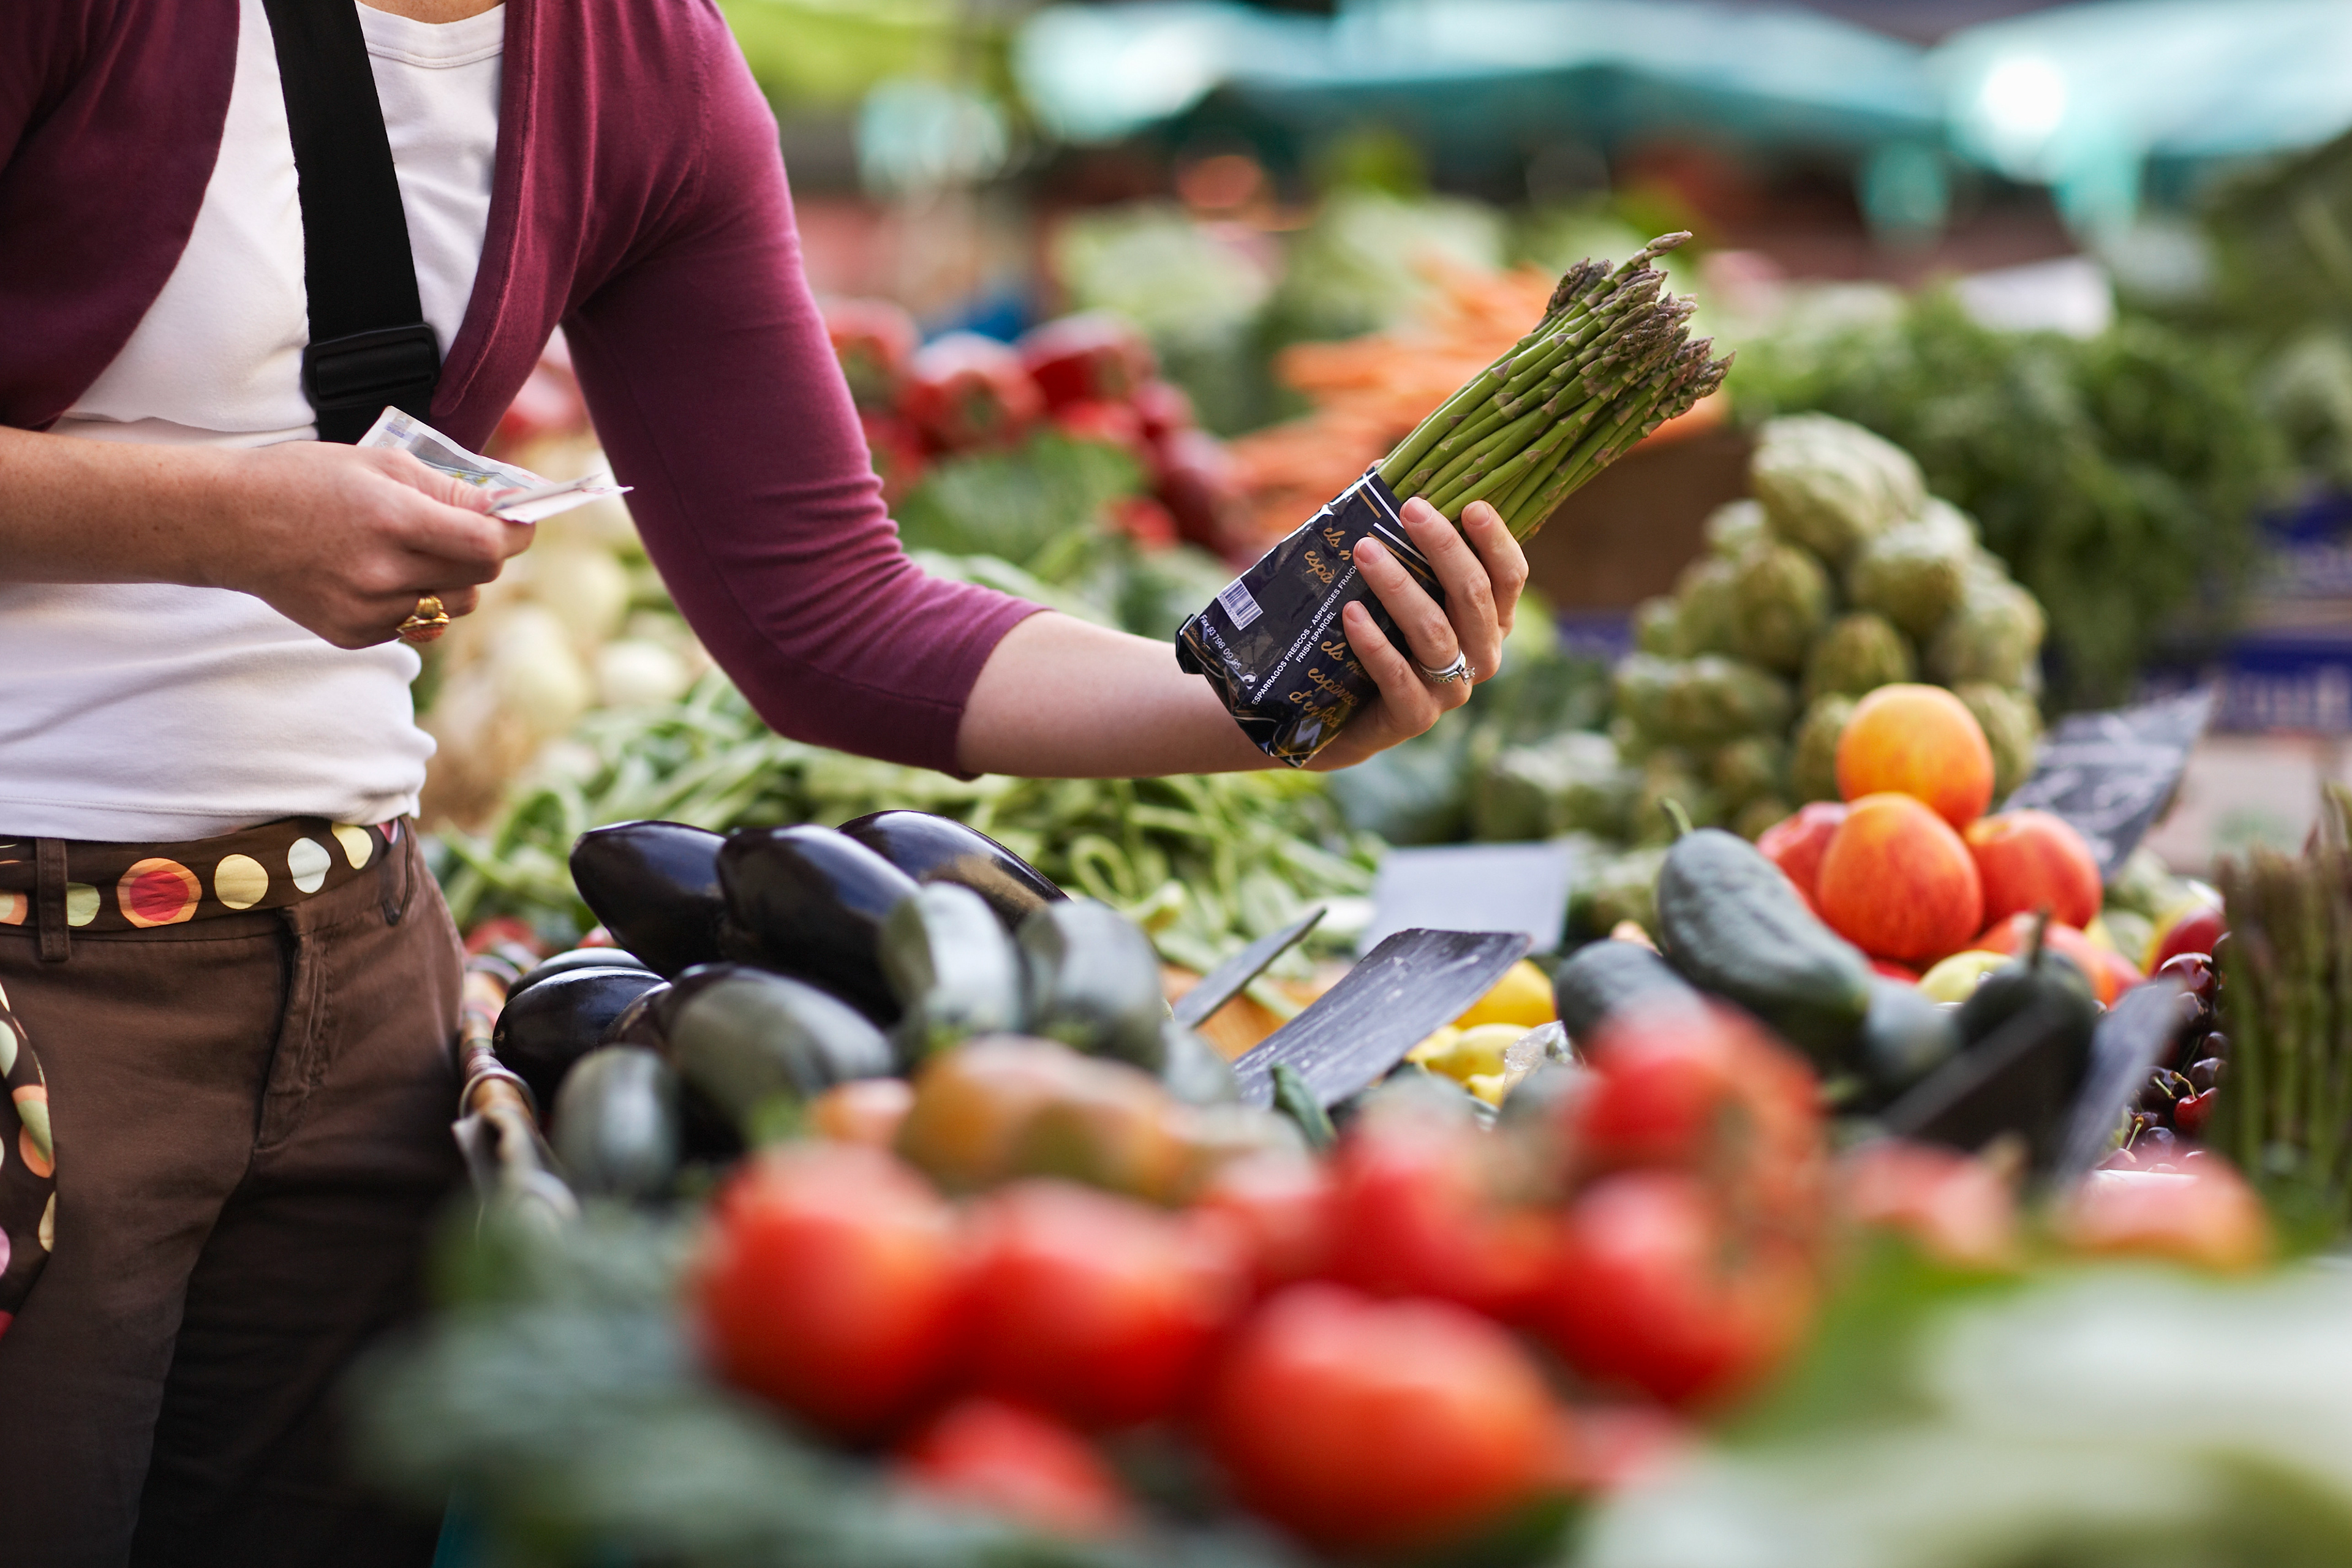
1014 505
2115 476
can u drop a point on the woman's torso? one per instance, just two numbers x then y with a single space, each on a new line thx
161 712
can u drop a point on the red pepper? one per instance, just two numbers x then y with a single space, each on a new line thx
964 391
1095 356
874 339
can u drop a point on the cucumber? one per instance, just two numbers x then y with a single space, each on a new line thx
616 1123
1602 977
1905 1036
1094 982
757 1044
953 967
1733 923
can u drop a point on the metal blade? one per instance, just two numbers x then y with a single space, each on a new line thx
1401 992
1225 982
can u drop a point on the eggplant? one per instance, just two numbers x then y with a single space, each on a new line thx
576 958
616 1125
940 849
1094 982
952 968
639 1023
655 886
543 1031
749 1040
810 903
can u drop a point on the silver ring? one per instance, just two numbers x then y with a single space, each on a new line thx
1458 670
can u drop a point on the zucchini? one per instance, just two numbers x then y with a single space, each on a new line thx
616 1123
1602 977
1094 982
940 849
756 1044
952 968
807 902
1733 923
543 1031
1905 1036
1195 1071
655 886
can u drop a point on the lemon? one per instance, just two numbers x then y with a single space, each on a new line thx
1522 998
1956 977
1468 1053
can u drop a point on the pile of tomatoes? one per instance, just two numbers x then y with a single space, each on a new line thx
1403 1344
1093 377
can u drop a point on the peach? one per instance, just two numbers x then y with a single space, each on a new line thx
2031 860
1795 843
1897 882
1919 741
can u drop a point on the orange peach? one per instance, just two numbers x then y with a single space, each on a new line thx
1795 842
1919 741
1897 882
2031 860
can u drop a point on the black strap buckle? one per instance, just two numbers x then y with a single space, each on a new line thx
368 370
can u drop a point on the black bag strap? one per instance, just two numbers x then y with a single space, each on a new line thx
369 345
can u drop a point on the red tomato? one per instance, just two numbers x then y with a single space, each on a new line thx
964 391
1092 356
1095 1307
1198 482
1417 1209
1112 423
2195 932
896 451
1655 1290
501 929
832 1282
1894 971
1796 842
1165 407
1955 1208
874 339
1608 1446
1358 1424
862 1110
1281 1206
1001 1459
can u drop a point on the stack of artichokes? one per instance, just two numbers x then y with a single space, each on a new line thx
1841 575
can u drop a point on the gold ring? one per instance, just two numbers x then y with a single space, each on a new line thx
429 621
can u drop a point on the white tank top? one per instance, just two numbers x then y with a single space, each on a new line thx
154 711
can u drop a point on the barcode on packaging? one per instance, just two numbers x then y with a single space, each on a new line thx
1238 603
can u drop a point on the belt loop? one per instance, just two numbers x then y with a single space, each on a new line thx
49 899
397 849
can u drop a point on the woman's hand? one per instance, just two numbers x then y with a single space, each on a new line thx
346 540
1482 570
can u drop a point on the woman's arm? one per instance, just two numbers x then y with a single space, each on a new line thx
1061 698
338 540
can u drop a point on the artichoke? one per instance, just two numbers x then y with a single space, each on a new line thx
1813 762
1781 598
1752 820
1657 627
1639 685
1830 486
1667 774
1860 652
1748 770
1913 574
1621 888
2012 725
1994 635
1573 783
1707 608
1734 526
1711 699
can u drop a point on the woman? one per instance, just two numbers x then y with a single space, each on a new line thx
215 930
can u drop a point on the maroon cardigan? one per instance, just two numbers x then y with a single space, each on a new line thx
639 200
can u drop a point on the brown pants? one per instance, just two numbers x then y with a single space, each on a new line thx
251 1117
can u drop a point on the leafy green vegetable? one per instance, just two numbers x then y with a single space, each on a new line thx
2115 476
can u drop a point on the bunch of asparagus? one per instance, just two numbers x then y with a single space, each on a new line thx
2286 1109
1610 363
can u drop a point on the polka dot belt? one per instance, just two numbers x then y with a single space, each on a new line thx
62 887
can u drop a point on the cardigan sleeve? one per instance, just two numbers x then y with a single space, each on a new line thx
715 391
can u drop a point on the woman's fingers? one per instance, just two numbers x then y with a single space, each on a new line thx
1506 563
1470 600
1429 636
